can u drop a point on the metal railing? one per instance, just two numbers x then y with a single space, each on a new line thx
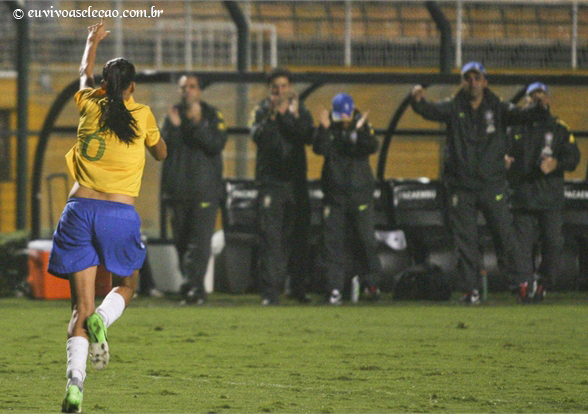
507 34
213 45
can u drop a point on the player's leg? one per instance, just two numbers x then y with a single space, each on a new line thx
196 259
106 314
364 226
462 218
272 266
118 242
552 243
82 297
334 230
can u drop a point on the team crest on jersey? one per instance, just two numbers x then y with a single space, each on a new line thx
490 128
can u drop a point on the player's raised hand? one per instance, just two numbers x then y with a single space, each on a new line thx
417 93
97 32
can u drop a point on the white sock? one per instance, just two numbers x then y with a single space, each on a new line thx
111 308
77 354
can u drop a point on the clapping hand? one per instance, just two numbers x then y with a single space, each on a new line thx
324 119
548 165
293 103
174 116
362 120
194 112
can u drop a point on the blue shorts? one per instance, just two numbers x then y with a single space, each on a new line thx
93 232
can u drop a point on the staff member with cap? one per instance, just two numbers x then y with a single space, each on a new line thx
281 128
474 171
540 153
346 140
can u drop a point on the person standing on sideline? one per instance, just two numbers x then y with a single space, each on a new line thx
346 140
192 181
540 153
99 225
474 171
281 127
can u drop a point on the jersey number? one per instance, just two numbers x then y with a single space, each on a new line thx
101 146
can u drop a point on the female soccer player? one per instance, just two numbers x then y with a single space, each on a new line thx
99 224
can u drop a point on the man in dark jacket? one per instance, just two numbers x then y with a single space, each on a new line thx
474 171
346 140
281 127
195 134
540 153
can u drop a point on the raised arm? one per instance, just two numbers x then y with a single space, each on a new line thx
322 135
96 33
440 112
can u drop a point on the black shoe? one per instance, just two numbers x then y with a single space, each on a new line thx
471 298
372 293
185 288
269 302
540 293
194 296
303 298
529 292
335 298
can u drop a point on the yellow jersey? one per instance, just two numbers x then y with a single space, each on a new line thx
99 160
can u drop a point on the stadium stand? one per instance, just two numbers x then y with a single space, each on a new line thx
386 35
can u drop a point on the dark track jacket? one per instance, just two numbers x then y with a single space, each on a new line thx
346 168
534 190
194 166
476 140
281 156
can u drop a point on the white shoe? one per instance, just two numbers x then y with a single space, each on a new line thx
98 349
154 293
335 298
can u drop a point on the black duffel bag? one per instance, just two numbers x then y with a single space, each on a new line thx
423 282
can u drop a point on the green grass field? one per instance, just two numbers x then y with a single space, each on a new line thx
233 356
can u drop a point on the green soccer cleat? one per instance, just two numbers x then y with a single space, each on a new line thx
99 354
72 402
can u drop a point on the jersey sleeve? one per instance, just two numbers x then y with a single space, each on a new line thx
81 97
153 136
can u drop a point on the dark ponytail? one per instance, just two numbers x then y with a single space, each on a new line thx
118 74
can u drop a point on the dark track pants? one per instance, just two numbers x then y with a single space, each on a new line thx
193 224
544 226
284 226
463 206
340 215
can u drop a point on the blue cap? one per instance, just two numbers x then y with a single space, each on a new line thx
342 106
473 66
537 86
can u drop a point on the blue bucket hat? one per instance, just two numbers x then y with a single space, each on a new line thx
537 86
342 106
473 66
